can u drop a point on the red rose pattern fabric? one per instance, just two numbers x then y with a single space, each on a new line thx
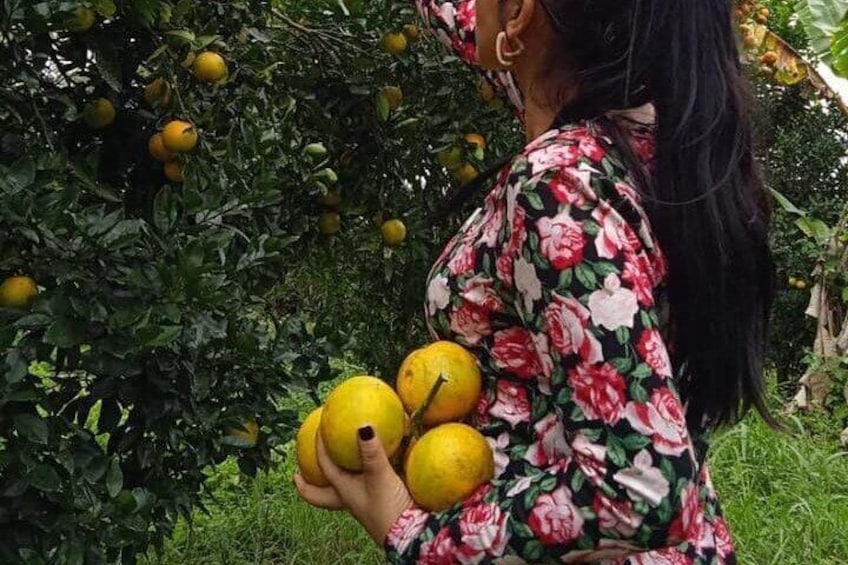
561 300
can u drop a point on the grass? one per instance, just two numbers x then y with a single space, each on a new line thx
785 496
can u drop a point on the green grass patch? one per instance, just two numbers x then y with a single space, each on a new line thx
785 496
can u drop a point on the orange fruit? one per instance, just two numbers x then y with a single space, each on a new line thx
17 292
476 139
209 67
245 436
486 90
158 94
82 20
157 148
174 171
357 402
456 398
393 96
179 136
331 199
800 284
394 232
451 158
99 113
411 32
446 465
307 452
329 223
466 173
394 43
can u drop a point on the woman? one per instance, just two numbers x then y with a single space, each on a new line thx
615 287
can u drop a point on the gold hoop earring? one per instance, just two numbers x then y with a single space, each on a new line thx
502 54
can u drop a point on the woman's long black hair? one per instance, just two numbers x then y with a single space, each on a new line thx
705 197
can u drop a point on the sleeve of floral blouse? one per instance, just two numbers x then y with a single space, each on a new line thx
624 479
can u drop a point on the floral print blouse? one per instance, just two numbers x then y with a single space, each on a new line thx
556 285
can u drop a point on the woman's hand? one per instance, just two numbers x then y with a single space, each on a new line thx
376 497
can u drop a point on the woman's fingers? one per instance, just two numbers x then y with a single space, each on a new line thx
337 476
322 497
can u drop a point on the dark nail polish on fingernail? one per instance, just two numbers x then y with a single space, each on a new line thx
366 433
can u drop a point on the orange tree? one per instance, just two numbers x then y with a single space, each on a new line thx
167 169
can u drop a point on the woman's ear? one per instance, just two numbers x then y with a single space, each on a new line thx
518 16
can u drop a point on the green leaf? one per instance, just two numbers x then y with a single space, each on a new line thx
534 200
16 367
622 334
64 332
821 19
108 62
18 177
839 50
114 478
815 228
31 427
45 478
382 107
615 452
164 335
786 204
586 276
182 34
164 210
638 392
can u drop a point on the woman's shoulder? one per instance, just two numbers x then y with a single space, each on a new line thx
580 145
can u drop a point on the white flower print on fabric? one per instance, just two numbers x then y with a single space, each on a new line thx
614 306
438 295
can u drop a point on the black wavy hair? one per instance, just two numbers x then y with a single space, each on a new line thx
705 196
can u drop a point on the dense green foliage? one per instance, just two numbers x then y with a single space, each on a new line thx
170 312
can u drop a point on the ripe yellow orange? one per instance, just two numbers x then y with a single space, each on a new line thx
394 43
466 173
357 402
209 67
329 223
393 96
82 20
158 94
157 148
306 450
451 158
174 171
800 284
99 113
245 436
411 32
476 139
17 292
394 232
447 464
456 398
486 90
332 199
179 136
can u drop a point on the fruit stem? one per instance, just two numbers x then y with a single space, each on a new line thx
418 415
